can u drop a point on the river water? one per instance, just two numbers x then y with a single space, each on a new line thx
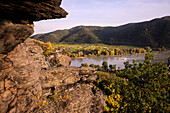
119 60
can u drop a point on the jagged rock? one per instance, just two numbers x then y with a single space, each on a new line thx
17 18
27 80
20 76
67 81
64 76
57 59
12 34
27 11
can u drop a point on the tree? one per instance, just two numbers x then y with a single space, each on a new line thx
148 49
105 66
148 57
112 52
86 65
49 46
91 65
98 53
111 66
114 66
126 64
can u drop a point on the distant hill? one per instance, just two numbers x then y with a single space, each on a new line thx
154 33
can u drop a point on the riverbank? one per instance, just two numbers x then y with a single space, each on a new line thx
113 60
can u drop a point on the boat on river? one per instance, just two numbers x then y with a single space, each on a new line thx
122 58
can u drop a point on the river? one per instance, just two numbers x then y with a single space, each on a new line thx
119 60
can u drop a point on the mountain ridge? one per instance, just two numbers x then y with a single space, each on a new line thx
154 33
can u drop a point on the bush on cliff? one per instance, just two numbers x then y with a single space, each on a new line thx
141 87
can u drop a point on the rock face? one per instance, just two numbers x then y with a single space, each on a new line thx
27 11
76 84
59 59
20 71
12 34
27 82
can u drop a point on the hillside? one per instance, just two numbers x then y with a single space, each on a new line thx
154 33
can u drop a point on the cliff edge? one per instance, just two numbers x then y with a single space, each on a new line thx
28 83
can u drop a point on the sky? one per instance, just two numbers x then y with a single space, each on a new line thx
104 13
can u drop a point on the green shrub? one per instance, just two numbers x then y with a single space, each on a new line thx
84 65
141 87
105 66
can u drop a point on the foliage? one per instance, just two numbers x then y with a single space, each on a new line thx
105 66
112 67
49 46
84 65
162 49
86 50
37 101
45 53
140 87
95 66
58 98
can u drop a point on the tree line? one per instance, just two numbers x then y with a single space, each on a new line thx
103 52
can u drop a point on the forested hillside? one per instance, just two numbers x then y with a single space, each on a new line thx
154 33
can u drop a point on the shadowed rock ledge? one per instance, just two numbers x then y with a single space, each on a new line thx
27 11
27 81
12 34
